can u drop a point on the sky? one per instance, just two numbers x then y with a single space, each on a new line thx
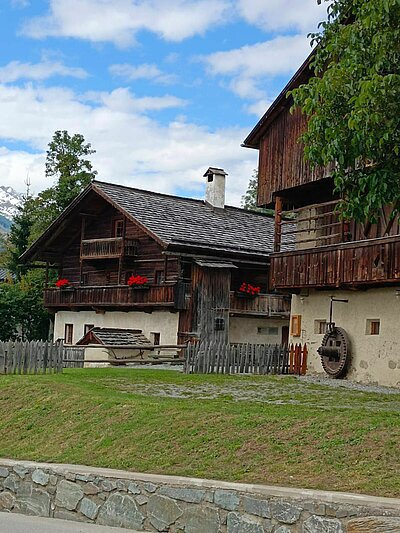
162 89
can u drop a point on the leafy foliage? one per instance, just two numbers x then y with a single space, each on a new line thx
22 314
249 199
353 103
67 161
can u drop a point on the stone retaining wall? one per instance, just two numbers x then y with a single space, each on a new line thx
146 502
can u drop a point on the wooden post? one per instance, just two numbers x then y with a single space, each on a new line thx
278 223
83 224
46 280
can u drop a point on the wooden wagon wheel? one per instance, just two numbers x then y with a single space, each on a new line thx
335 352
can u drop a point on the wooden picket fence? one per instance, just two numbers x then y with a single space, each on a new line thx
38 357
209 358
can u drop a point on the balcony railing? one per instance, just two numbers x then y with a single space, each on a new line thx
107 248
115 296
267 305
371 262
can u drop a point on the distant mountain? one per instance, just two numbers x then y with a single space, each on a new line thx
4 224
9 201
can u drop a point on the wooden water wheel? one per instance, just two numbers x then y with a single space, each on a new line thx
335 352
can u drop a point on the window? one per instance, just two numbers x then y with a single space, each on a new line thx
118 229
268 331
373 326
295 326
219 324
320 327
68 333
159 277
155 338
88 327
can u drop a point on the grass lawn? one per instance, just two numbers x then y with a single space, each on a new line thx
271 430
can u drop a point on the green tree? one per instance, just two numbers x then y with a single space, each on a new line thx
66 161
18 237
249 199
353 104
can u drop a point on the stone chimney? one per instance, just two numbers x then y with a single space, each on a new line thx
215 187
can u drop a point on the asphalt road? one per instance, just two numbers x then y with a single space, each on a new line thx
18 523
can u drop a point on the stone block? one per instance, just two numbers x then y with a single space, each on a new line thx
11 483
239 523
282 529
3 471
121 484
120 510
162 511
226 499
90 489
7 500
31 500
63 514
53 480
285 512
256 506
374 524
318 524
89 508
150 487
141 499
198 519
21 471
134 488
108 485
39 477
183 494
68 495
69 476
84 477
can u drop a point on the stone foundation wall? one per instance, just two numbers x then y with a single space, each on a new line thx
146 502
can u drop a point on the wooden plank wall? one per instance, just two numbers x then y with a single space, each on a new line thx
374 262
220 358
211 294
281 158
105 272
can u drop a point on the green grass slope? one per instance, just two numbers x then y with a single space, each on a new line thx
257 429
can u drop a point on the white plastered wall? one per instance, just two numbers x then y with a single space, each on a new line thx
246 329
375 358
163 322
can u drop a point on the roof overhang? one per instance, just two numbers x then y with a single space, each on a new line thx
280 104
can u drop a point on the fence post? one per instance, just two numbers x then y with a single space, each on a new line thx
304 361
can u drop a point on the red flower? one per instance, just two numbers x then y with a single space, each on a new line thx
62 283
137 280
249 289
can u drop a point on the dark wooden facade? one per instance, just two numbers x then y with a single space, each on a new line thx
330 252
97 248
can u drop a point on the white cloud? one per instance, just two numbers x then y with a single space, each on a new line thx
145 71
132 148
16 70
259 108
118 21
249 70
277 15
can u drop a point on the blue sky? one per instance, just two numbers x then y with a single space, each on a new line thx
161 89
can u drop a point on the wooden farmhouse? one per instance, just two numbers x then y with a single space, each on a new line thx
341 272
196 256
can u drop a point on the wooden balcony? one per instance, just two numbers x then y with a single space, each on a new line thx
115 297
373 262
263 305
115 247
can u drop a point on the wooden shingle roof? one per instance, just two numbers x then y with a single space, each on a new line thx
115 337
178 222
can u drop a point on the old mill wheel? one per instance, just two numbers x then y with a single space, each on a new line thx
335 352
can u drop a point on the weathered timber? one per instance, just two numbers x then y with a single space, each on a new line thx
364 263
111 296
222 358
266 305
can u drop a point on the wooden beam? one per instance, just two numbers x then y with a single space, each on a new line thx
278 223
